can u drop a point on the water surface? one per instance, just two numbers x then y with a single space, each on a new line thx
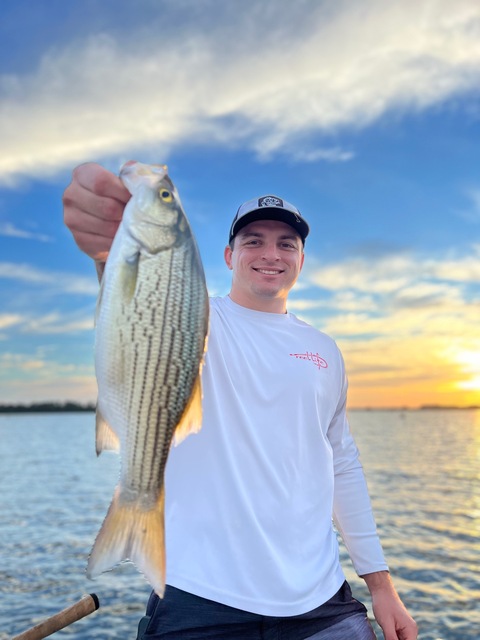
423 470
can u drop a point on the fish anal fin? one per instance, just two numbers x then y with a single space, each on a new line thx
105 437
131 532
191 421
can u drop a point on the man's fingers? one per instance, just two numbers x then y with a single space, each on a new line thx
93 235
78 200
95 246
96 179
94 203
78 203
93 192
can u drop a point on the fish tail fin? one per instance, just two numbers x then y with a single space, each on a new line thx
134 533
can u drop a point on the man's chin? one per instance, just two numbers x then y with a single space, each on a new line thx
268 292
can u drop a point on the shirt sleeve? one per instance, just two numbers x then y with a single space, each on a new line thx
352 510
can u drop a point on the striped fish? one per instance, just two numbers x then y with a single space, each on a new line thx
150 339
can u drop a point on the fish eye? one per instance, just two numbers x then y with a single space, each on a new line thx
165 195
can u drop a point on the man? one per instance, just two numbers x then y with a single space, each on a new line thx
251 551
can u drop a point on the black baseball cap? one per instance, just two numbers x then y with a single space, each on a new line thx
269 208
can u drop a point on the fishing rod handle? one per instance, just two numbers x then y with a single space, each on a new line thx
86 605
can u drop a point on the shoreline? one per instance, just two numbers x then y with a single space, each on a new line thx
73 407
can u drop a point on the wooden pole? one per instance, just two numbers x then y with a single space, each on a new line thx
88 604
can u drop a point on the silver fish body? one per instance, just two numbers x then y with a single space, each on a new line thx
151 331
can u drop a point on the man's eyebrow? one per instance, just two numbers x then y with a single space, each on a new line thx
290 236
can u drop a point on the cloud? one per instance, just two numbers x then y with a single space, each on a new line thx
401 274
10 231
15 361
59 282
52 323
9 320
472 212
56 323
300 154
383 275
237 82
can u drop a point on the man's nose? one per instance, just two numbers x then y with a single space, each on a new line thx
270 251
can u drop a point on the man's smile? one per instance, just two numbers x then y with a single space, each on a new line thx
268 272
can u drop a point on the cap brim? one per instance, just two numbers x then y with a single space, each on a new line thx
297 223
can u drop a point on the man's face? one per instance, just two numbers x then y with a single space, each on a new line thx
266 260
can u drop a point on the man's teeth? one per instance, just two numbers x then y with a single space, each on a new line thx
268 272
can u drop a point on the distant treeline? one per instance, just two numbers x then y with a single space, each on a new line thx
423 407
46 407
444 407
64 407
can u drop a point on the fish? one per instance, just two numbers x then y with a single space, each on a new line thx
151 328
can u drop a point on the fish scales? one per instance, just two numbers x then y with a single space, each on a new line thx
169 372
151 328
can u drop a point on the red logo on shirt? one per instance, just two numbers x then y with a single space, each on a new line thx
317 359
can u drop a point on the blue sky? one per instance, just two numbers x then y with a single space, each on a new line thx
366 115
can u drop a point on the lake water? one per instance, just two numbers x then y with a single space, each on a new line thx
423 470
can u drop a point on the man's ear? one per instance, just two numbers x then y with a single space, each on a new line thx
302 261
227 254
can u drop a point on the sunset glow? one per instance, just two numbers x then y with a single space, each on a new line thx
375 140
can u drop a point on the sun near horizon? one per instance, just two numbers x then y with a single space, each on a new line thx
461 388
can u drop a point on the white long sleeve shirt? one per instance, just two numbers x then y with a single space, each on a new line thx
250 498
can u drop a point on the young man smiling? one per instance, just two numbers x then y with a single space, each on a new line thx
251 550
266 258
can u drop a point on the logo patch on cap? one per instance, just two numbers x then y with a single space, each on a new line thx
270 201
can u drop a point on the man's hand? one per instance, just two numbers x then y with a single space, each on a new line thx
93 207
388 609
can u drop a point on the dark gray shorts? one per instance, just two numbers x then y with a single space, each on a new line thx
183 616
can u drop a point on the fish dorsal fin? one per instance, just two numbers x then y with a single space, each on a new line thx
191 421
106 439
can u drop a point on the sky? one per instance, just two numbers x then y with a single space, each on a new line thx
363 113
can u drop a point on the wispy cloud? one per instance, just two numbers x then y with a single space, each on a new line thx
9 230
59 282
53 323
105 96
9 320
472 211
397 273
301 153
58 323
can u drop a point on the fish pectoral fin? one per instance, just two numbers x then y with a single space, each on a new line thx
191 421
128 271
133 533
105 437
